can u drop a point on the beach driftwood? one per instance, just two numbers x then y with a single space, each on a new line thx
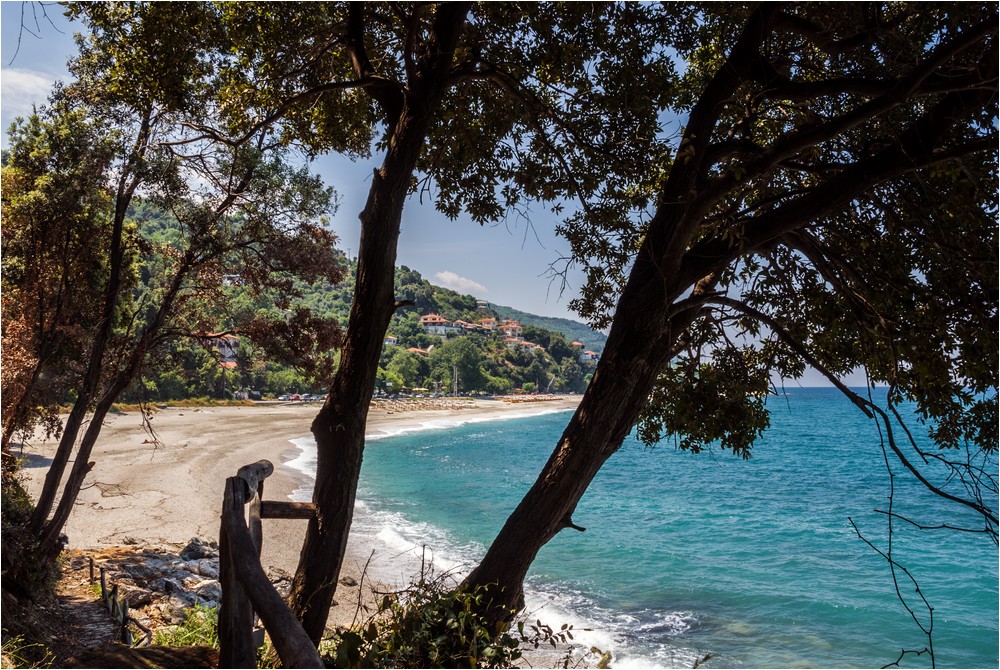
246 590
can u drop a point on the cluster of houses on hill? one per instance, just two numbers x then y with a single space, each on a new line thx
511 329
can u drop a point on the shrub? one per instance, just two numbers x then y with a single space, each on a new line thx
27 570
200 627
425 626
433 625
18 652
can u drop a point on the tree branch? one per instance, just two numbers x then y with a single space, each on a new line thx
916 149
388 94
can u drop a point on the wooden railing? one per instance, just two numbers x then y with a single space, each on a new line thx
119 610
246 590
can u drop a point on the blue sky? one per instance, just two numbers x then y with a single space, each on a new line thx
505 263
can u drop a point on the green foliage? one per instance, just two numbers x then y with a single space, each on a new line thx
54 208
426 626
26 569
431 624
200 628
720 400
292 348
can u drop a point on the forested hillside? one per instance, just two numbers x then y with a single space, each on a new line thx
479 360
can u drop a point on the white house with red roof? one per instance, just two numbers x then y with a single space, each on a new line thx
435 324
512 328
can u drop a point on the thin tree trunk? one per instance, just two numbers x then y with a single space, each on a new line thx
339 428
88 388
85 394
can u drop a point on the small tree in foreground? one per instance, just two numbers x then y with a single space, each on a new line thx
237 210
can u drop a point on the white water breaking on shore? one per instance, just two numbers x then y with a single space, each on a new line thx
402 550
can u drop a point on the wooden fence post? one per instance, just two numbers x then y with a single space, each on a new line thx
236 648
245 586
126 634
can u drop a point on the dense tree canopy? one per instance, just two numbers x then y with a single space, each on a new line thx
53 210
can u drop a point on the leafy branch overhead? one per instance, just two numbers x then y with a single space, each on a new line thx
835 177
831 202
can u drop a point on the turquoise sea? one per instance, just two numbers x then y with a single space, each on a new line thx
754 562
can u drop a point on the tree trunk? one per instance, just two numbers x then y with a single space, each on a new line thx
81 467
127 185
339 428
635 351
91 381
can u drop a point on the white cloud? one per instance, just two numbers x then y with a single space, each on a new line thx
21 88
458 283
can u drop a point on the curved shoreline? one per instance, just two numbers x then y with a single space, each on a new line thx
146 494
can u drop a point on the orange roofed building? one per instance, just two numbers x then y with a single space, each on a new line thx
512 328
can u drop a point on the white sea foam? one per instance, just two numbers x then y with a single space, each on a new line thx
405 549
455 422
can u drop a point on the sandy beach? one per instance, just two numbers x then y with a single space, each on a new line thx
164 492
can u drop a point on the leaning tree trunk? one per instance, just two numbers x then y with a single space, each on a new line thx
636 349
128 182
339 428
91 381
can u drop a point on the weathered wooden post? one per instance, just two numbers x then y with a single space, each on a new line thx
236 648
126 634
245 586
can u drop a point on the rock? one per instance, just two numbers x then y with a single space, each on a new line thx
209 590
137 598
171 614
348 581
277 574
204 566
196 549
139 573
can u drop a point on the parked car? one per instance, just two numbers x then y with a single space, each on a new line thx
283 397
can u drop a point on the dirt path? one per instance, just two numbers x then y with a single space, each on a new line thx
83 619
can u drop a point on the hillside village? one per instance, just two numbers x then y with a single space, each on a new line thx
439 339
481 353
510 329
